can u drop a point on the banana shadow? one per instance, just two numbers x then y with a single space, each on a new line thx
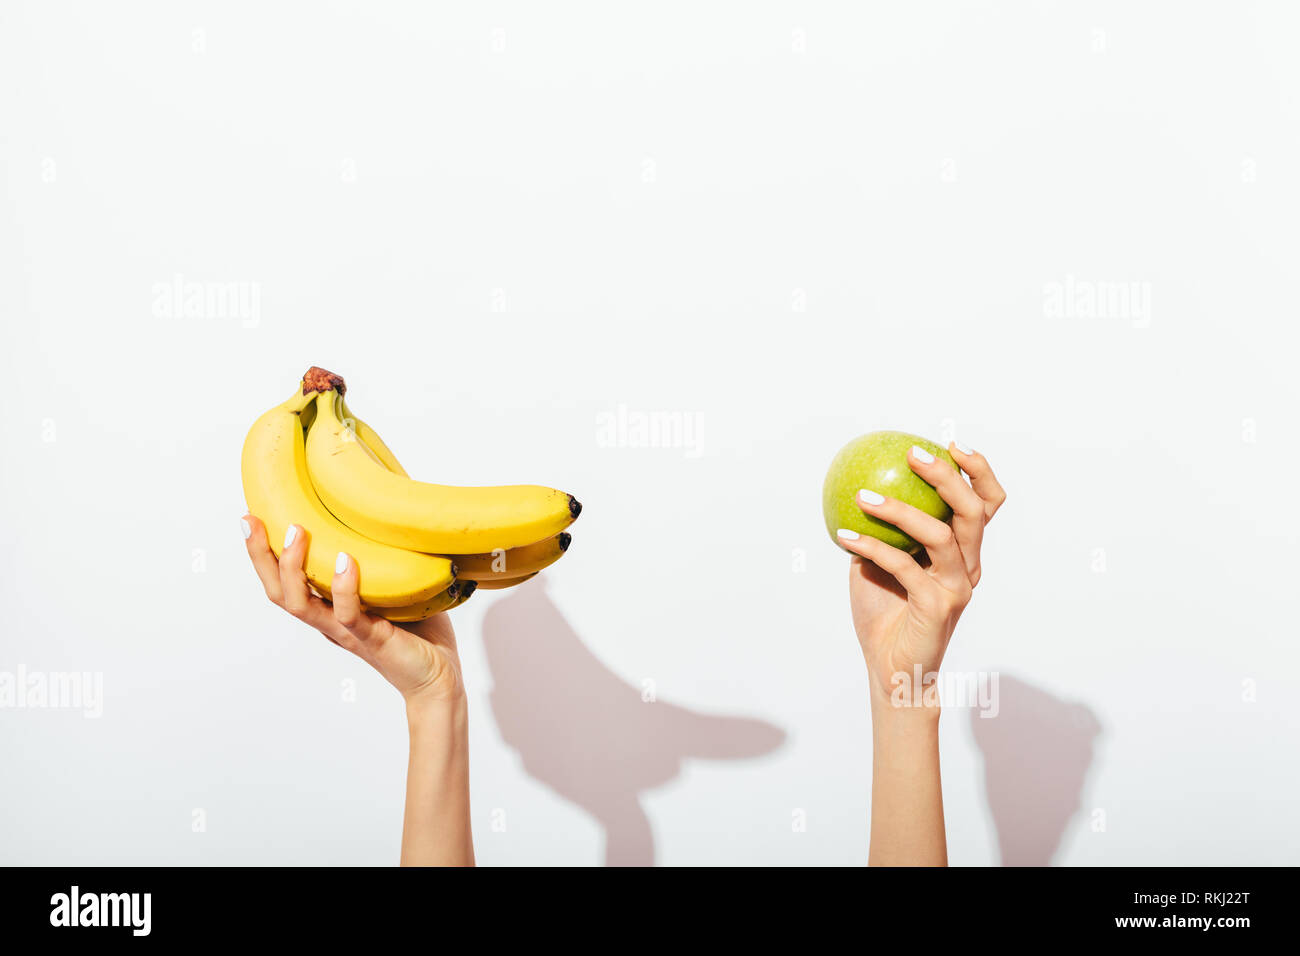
586 733
1037 751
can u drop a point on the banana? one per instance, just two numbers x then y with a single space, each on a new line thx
499 584
453 597
364 434
511 562
444 600
374 444
439 519
279 491
515 562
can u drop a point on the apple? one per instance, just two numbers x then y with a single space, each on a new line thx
878 462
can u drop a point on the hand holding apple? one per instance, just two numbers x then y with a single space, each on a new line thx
905 612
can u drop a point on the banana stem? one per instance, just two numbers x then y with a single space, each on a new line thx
298 401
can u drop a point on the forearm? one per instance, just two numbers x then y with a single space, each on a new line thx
906 796
436 827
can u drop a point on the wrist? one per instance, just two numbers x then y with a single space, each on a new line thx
900 704
446 712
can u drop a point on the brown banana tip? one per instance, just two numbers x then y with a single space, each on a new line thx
575 506
317 379
565 540
467 588
453 591
455 571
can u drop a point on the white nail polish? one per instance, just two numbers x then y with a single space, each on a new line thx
245 527
290 535
962 448
921 455
871 497
341 562
847 535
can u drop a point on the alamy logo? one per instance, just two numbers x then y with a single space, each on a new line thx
1101 300
102 909
978 690
624 427
188 299
58 690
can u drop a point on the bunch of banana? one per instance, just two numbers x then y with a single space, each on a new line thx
421 548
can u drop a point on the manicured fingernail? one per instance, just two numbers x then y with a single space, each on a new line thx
245 527
847 535
290 535
921 455
341 562
962 448
871 497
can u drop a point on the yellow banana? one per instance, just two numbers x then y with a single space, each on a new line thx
509 562
498 584
453 596
374 444
366 435
514 562
439 519
279 491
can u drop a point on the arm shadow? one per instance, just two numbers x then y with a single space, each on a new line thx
588 734
1037 753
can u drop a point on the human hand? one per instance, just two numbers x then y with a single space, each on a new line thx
419 659
905 610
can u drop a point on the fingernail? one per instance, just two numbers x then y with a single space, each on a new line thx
962 448
246 528
290 535
847 535
871 497
921 455
341 562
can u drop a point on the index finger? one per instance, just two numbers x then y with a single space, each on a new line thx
264 563
982 479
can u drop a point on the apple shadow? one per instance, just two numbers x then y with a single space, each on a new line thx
1037 753
586 733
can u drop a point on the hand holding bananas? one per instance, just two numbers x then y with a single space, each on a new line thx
419 548
419 659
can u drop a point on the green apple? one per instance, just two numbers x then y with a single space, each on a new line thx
878 462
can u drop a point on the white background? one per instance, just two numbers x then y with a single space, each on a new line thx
790 222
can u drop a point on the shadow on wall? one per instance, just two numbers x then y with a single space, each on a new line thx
1037 752
585 732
